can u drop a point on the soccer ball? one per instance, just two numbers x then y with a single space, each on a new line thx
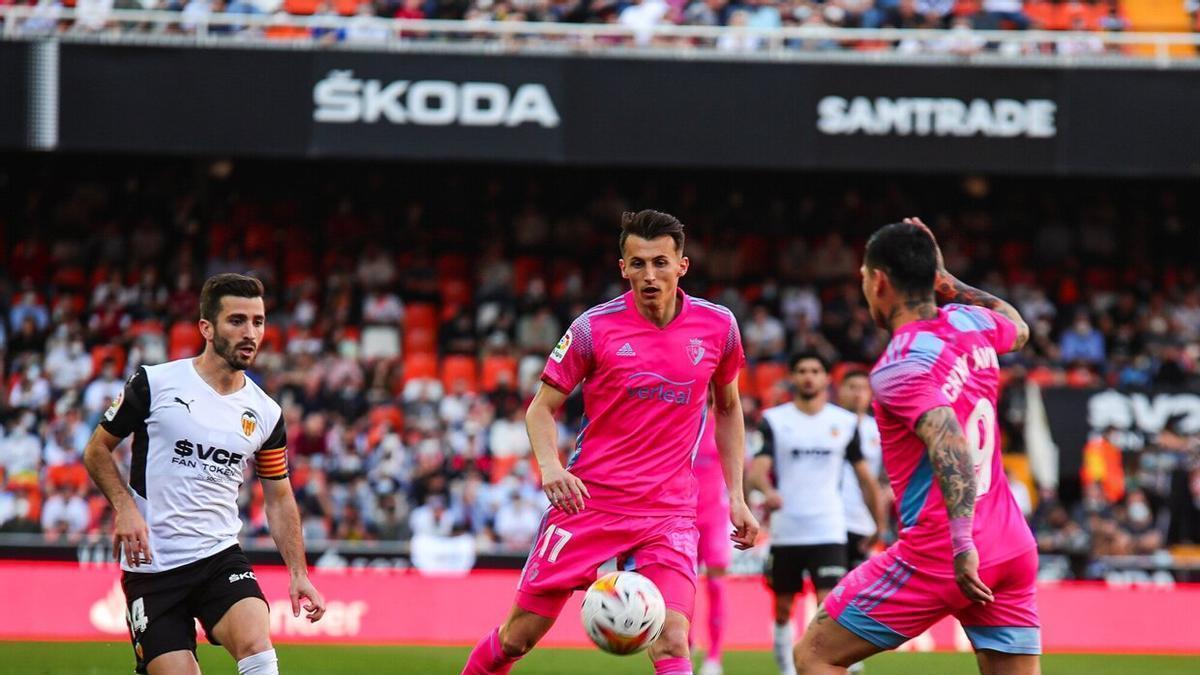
623 612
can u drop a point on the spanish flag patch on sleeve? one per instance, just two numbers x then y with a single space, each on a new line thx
271 464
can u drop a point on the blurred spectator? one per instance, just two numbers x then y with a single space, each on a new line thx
102 391
641 16
1083 342
763 336
1138 521
1011 11
432 518
517 523
68 365
64 513
538 332
1102 466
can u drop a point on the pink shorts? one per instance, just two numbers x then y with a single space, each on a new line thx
570 548
712 519
886 601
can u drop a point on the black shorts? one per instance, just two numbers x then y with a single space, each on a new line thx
163 606
854 554
786 566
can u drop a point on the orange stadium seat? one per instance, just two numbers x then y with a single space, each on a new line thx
101 353
302 7
457 367
184 340
494 367
452 265
146 327
525 268
746 383
456 291
420 365
389 414
421 315
767 375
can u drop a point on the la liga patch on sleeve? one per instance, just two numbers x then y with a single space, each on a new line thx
560 349
116 405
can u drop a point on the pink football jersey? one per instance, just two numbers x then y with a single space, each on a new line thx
950 360
644 399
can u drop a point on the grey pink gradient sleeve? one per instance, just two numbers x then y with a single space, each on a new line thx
573 358
733 357
905 385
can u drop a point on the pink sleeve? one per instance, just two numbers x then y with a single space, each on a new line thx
733 357
573 357
1001 332
907 389
1005 334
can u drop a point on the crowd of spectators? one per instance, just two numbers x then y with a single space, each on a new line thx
639 16
410 313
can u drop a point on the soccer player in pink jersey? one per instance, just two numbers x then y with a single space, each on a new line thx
963 547
715 550
645 360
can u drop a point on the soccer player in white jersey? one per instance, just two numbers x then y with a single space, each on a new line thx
862 531
854 394
196 424
806 442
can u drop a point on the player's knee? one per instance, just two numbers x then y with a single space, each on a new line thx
673 643
805 659
514 644
249 646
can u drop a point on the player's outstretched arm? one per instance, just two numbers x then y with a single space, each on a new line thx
873 498
284 520
949 289
950 457
129 529
562 488
731 444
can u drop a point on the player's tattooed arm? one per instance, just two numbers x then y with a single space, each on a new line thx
951 460
949 289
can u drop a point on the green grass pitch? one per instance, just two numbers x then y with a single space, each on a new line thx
45 658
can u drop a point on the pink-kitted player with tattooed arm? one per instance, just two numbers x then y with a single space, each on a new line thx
963 547
645 360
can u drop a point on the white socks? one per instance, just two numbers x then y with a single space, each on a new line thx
784 639
857 668
262 663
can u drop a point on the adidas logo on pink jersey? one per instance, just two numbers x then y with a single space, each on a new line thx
626 350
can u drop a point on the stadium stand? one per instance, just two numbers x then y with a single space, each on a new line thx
406 336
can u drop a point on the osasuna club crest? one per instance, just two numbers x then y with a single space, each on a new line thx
695 350
249 422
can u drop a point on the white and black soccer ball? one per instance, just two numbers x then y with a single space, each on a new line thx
623 612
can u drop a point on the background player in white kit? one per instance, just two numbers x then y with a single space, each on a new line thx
806 442
196 424
854 394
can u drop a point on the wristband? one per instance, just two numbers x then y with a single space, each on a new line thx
960 535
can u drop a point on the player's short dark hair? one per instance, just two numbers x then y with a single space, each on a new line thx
220 285
806 355
854 372
906 253
650 224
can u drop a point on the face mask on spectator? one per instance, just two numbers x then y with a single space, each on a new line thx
1139 512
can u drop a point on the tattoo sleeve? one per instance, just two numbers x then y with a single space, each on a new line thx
949 289
951 460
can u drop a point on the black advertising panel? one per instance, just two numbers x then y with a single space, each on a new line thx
937 118
183 100
452 107
14 95
615 111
